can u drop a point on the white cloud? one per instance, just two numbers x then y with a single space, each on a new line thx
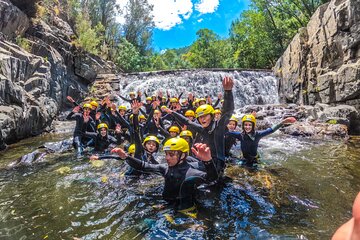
200 20
167 13
207 6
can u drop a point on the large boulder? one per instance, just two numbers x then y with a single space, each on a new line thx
322 63
13 22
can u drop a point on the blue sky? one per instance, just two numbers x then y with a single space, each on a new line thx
177 21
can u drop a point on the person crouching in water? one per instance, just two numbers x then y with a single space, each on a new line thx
250 138
84 122
102 140
181 176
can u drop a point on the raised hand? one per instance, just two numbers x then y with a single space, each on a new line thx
94 157
219 95
70 99
139 93
122 154
76 109
155 104
288 120
202 152
135 106
160 94
118 129
183 128
227 83
191 96
97 115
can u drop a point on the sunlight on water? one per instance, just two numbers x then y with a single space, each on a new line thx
303 190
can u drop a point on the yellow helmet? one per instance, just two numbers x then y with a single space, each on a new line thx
249 118
148 99
174 129
156 111
189 113
151 138
163 108
203 110
217 111
163 98
186 133
142 117
195 102
233 118
173 100
202 99
87 105
102 125
122 107
131 149
132 93
94 103
176 144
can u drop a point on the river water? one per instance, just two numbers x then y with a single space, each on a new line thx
303 190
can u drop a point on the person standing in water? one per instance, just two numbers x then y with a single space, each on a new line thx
250 138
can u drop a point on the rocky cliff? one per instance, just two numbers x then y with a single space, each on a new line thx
322 63
39 67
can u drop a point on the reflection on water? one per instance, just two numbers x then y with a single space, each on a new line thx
303 190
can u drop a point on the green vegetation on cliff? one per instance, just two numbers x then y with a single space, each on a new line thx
256 39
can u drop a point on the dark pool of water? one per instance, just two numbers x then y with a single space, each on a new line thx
304 190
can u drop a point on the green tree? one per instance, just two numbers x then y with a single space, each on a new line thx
128 57
139 24
88 38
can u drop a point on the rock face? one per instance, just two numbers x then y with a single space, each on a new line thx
319 121
35 79
322 63
13 22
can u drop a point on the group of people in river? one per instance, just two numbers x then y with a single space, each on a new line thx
195 134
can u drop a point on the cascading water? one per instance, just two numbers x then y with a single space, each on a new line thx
251 87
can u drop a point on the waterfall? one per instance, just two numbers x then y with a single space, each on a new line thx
251 87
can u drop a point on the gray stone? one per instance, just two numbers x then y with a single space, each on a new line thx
13 22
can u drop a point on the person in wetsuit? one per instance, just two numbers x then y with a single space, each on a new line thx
250 138
208 130
102 140
182 176
83 123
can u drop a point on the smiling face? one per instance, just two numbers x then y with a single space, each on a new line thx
231 125
122 112
205 120
151 146
103 132
248 127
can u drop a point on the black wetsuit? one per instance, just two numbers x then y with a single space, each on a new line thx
79 140
250 142
101 143
213 135
181 180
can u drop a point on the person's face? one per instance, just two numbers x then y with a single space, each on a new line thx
191 118
172 157
202 103
188 139
148 101
157 115
173 104
205 120
151 146
103 132
217 116
231 125
132 96
122 113
93 107
86 111
142 120
173 134
248 127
